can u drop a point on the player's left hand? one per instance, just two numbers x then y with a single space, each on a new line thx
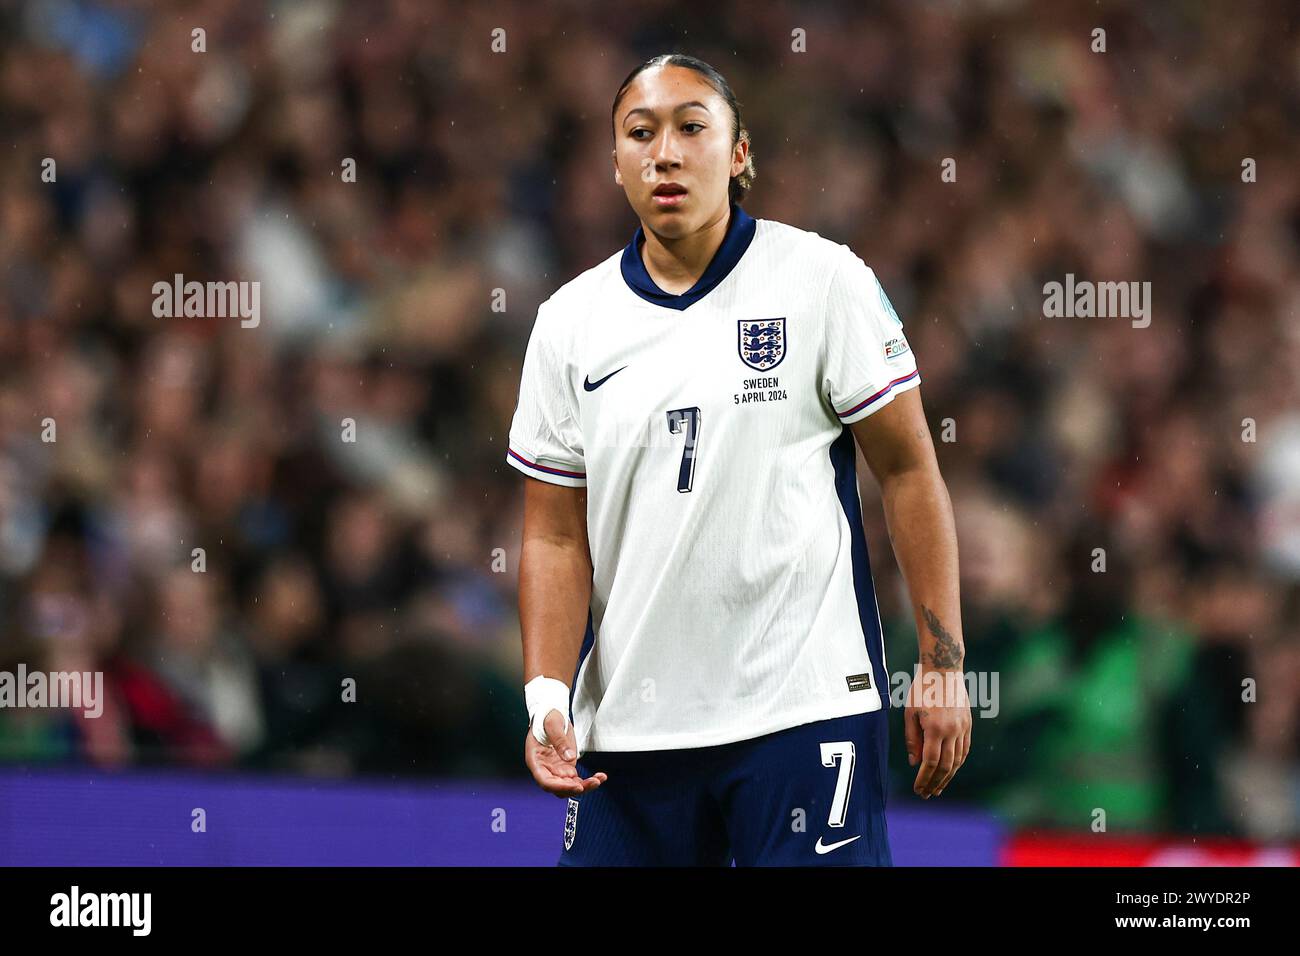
937 728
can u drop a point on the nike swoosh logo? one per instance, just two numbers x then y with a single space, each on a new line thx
822 848
591 386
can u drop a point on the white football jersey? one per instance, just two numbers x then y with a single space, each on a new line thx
731 594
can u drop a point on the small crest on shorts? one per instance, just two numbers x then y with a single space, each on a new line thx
761 342
570 823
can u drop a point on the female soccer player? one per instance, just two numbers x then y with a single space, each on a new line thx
688 410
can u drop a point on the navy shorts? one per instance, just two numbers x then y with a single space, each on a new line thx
812 795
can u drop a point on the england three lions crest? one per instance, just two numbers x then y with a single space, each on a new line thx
761 342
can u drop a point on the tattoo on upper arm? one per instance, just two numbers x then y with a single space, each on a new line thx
947 652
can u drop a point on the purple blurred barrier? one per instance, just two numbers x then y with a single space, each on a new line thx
91 818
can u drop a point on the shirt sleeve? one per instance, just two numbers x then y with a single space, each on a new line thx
866 360
545 437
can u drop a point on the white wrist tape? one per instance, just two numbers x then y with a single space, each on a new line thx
543 695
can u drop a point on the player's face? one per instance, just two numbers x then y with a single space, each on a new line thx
673 127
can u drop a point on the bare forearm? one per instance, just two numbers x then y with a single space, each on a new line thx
554 596
918 512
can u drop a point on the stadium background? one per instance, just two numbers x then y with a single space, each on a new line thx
479 171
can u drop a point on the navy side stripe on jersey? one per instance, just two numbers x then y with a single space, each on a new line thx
844 458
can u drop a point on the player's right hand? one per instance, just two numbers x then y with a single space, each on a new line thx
555 767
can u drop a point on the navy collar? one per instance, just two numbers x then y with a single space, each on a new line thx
740 233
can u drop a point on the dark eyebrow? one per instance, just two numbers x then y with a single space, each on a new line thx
677 109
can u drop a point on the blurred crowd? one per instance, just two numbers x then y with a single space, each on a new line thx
184 506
